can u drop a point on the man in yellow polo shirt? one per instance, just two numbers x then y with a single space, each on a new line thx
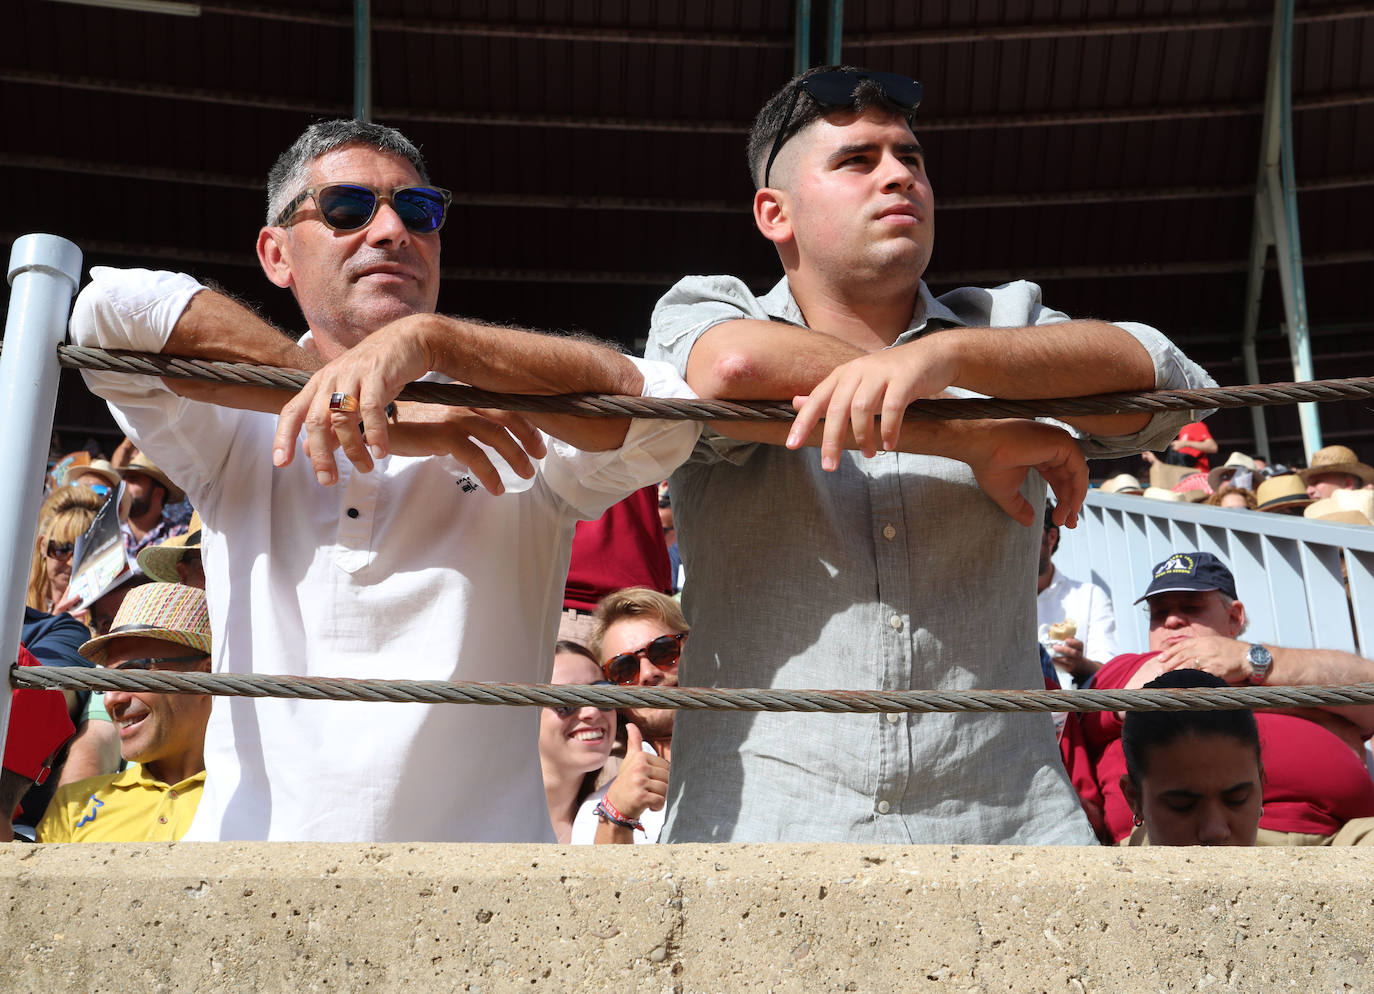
160 626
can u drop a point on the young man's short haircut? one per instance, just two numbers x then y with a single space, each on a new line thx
634 602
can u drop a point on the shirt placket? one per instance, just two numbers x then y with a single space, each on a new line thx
357 516
894 666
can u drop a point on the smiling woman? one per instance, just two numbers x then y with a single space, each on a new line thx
573 742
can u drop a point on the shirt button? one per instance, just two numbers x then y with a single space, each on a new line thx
172 794
352 512
893 718
896 622
162 819
884 807
889 533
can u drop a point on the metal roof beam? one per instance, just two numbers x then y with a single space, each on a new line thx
1089 29
330 109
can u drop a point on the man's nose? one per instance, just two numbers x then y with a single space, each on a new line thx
116 700
896 174
386 226
1213 829
649 674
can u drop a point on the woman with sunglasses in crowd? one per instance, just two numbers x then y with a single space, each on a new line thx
63 518
1193 778
574 742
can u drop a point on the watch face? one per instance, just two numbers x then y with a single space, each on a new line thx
1259 657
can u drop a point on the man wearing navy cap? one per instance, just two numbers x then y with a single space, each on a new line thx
1316 791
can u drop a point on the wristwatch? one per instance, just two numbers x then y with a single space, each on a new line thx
1260 661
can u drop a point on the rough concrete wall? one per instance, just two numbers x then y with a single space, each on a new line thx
196 917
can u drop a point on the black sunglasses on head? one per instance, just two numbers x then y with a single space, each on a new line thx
350 206
663 652
836 89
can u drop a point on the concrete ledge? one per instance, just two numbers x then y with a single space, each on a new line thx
258 917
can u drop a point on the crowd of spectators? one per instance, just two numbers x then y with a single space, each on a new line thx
884 557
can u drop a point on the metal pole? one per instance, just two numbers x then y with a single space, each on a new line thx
801 38
362 60
835 34
44 273
1259 250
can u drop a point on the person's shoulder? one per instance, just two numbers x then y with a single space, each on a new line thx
1115 672
78 792
55 638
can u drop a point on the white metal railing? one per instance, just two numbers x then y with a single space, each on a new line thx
1291 573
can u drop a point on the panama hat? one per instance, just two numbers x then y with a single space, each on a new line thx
1123 483
160 561
167 611
1282 493
142 464
97 467
1337 459
1346 507
1177 496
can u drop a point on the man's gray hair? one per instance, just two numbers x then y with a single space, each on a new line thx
288 175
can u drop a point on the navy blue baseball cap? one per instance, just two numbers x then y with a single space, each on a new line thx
1190 571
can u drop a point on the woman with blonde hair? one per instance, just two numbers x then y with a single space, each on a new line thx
63 518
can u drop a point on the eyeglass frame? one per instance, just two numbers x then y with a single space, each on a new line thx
64 550
568 710
285 218
858 76
642 652
145 663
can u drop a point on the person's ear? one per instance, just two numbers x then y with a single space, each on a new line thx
1131 793
1236 617
274 253
772 215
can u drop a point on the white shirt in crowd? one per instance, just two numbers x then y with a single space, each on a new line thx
1089 607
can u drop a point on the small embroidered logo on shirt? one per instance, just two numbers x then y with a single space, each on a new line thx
467 484
96 804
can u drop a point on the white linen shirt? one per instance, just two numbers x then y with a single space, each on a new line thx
410 571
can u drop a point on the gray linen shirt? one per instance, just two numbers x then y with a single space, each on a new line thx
895 572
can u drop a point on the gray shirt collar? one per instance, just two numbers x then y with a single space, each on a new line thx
781 306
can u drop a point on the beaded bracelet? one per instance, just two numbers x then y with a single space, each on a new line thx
605 809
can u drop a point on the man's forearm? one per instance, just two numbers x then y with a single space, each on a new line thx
1325 667
219 328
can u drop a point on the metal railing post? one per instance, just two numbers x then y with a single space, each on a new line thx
44 273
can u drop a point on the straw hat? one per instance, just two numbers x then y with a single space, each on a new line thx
96 467
167 611
1234 462
1337 459
142 464
160 561
1125 483
1177 496
1282 493
1346 507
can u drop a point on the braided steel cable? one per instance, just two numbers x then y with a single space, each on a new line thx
686 698
600 405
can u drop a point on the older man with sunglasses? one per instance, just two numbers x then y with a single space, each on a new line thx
909 563
402 565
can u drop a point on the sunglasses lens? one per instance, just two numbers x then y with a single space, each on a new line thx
420 209
346 207
836 89
622 669
663 652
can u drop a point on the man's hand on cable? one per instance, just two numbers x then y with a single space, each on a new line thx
1216 654
1002 452
373 373
880 383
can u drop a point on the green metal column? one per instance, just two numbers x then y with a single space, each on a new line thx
834 36
362 60
801 38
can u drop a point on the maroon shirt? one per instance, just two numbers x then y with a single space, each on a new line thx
622 548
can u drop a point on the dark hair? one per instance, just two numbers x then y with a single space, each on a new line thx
867 95
1144 731
287 176
577 648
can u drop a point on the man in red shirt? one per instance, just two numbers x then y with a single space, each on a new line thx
1316 788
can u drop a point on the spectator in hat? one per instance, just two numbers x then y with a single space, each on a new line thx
1122 483
1084 606
1343 507
151 494
1335 467
1283 494
98 475
38 728
1238 470
1317 789
177 560
159 627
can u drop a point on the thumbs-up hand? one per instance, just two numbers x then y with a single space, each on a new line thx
642 783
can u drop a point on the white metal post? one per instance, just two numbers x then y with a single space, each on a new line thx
44 273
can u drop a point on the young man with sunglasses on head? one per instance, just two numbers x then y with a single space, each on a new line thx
638 635
405 568
909 563
161 627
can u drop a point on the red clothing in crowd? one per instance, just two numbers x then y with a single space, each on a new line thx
1196 432
1313 782
622 548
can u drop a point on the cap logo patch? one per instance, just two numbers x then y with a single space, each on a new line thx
1176 564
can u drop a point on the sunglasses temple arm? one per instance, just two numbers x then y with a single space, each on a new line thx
777 142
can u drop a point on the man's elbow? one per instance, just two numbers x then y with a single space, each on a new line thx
730 374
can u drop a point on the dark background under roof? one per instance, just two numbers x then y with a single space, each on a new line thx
1107 150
